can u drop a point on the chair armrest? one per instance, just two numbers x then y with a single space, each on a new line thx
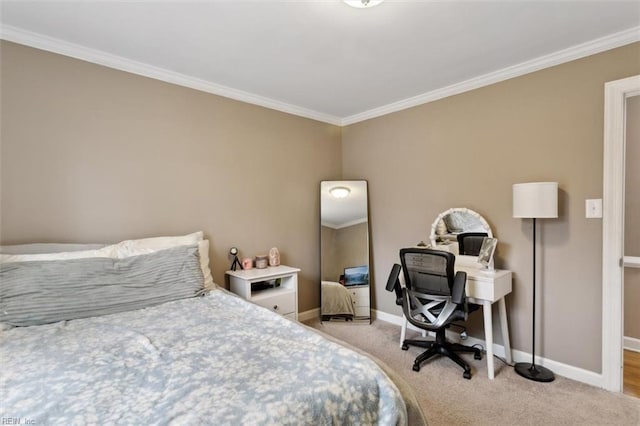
393 283
459 284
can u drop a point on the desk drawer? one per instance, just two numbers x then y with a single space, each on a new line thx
480 289
489 287
283 303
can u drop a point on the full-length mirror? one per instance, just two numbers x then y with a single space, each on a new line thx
460 231
344 251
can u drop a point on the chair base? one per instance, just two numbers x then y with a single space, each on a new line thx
441 346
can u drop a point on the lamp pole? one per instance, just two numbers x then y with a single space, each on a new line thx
533 371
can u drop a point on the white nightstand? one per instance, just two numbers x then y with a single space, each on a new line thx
275 288
360 299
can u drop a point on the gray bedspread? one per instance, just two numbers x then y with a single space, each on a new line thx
208 360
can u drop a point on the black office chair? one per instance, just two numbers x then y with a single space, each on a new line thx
469 243
431 300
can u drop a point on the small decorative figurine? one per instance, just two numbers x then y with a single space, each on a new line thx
247 263
261 261
235 263
274 257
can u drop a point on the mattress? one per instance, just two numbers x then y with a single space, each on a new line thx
215 359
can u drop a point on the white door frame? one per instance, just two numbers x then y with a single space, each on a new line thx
615 96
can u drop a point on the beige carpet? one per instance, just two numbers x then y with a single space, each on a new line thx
448 399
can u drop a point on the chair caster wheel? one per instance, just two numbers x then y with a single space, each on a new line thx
405 347
477 355
416 367
467 375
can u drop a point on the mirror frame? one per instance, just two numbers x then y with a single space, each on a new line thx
360 297
432 235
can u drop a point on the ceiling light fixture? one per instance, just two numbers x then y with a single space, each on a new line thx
339 191
363 3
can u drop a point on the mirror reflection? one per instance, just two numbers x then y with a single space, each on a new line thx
460 231
344 240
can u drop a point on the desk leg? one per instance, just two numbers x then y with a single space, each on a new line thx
502 307
488 336
403 330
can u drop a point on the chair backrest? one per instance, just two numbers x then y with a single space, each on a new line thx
428 271
469 243
432 297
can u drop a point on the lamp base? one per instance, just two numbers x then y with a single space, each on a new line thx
534 372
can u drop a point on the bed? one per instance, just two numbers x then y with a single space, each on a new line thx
336 301
147 338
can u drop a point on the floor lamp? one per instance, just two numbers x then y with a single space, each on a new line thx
535 200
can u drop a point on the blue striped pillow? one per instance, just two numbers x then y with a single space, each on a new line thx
41 292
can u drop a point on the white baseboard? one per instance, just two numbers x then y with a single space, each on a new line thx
632 344
308 315
562 369
566 370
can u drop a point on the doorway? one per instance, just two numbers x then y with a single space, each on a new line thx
631 290
613 256
631 373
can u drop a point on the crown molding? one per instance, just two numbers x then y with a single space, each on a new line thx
39 41
345 224
73 50
612 41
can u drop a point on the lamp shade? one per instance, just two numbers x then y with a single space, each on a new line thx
535 199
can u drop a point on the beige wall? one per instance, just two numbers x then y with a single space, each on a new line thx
91 154
468 150
632 219
330 271
342 248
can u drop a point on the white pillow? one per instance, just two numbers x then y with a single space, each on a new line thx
130 248
47 248
149 245
108 251
203 251
120 250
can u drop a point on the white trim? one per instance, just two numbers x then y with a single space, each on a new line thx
631 344
346 224
570 54
565 370
631 262
39 41
615 96
561 369
390 318
309 315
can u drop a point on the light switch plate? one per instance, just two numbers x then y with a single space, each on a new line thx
593 208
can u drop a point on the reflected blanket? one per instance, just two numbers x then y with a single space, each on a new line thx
336 299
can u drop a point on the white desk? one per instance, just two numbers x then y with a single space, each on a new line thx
485 288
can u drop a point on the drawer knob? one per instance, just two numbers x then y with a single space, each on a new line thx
275 307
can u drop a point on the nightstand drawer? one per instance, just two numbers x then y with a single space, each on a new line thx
283 304
360 297
281 298
362 311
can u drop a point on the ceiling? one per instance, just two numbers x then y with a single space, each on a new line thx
340 213
321 58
